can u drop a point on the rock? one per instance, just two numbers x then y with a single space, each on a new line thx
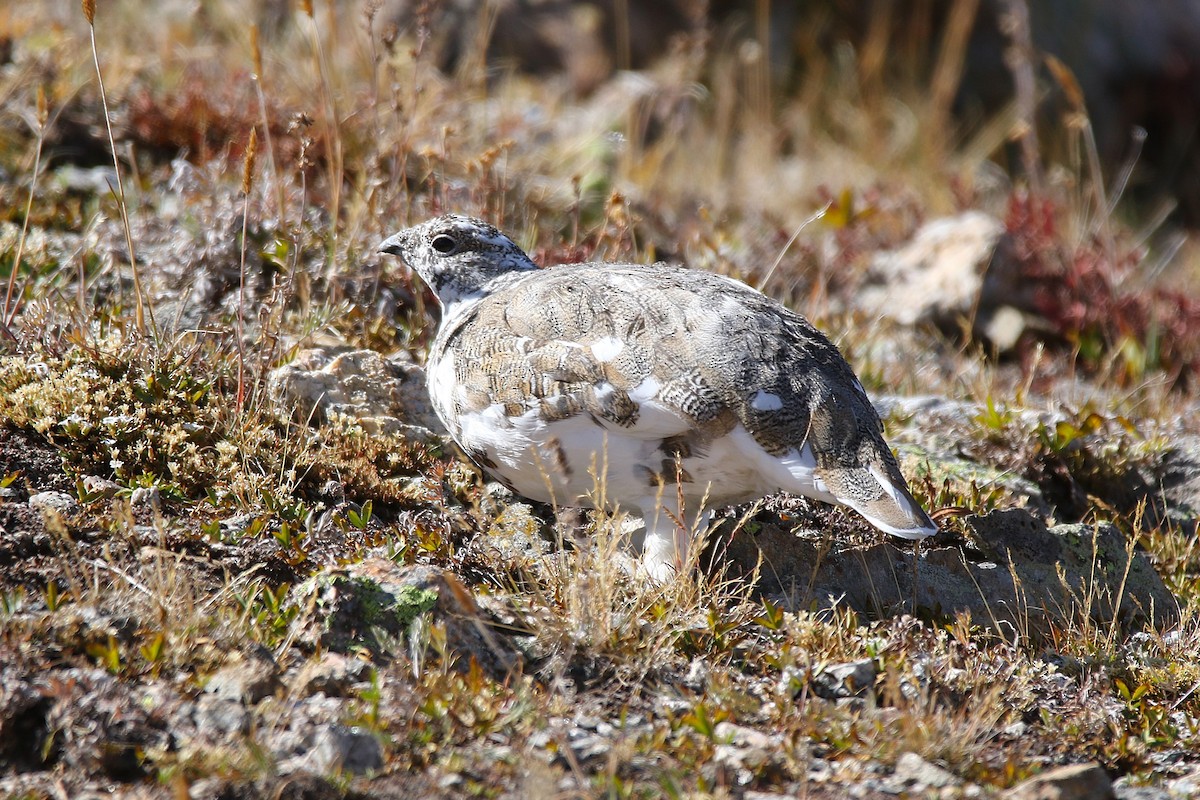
742 736
100 727
60 502
938 274
1013 580
342 748
1126 792
955 269
384 396
217 717
851 679
917 772
696 678
1073 568
95 486
744 750
587 746
1186 785
222 710
248 680
1075 782
1179 481
24 747
145 496
372 605
332 674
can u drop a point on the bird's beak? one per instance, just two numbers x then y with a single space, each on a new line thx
393 245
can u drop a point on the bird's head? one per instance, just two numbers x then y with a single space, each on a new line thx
457 256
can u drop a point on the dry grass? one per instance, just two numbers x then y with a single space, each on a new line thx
218 507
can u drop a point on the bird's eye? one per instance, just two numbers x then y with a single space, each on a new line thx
444 244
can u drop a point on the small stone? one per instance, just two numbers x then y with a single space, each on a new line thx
341 748
1124 792
697 675
913 769
370 605
247 681
1003 328
743 751
851 679
382 395
451 781
1016 730
332 674
206 789
218 716
742 736
61 502
95 486
145 496
1074 782
586 746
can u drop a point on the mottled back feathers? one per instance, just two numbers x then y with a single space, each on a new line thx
683 372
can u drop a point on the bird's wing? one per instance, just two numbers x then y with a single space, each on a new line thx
598 341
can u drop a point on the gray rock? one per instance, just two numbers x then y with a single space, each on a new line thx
956 269
741 736
743 750
697 674
1013 581
917 772
145 496
383 396
248 680
1074 782
332 674
1179 479
341 748
1187 785
851 679
96 486
587 746
61 502
218 717
938 275
1122 791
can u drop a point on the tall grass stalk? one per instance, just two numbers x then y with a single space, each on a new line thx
40 131
329 117
89 11
952 55
260 93
247 185
1021 64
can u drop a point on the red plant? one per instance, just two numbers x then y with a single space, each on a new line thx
1081 292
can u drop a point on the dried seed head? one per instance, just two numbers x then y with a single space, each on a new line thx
89 11
306 7
257 51
1068 83
248 161
42 112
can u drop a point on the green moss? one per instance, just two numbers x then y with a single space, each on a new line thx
412 602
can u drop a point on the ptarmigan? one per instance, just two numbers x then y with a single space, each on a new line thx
660 388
